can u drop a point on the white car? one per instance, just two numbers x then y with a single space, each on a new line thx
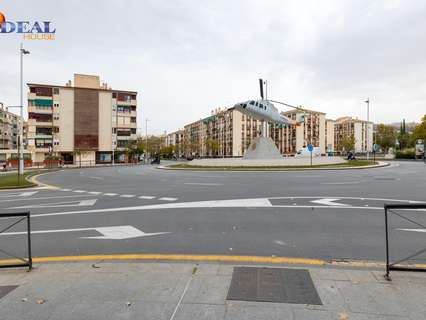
304 153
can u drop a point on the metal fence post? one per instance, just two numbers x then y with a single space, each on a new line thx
30 259
387 276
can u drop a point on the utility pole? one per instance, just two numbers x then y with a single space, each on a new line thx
366 128
146 140
22 51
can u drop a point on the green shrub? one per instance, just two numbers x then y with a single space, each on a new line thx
405 154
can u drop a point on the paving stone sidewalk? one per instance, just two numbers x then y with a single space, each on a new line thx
148 290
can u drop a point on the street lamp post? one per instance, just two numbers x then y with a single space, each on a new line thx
22 51
366 128
146 140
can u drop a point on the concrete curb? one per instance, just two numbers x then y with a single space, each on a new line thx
179 258
34 180
380 164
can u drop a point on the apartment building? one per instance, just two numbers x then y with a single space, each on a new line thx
310 129
228 133
9 128
176 139
83 119
361 130
329 135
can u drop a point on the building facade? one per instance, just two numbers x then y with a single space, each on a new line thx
228 133
361 130
9 128
176 139
87 121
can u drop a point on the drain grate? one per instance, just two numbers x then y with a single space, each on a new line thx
273 285
4 290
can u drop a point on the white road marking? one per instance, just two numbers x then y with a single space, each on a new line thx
328 202
18 194
167 199
94 192
127 196
45 198
79 191
203 184
81 203
65 189
108 233
413 230
110 194
98 178
147 197
233 203
344 182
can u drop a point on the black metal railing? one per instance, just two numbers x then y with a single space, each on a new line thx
402 214
28 262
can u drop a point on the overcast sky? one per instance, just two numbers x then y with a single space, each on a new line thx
186 58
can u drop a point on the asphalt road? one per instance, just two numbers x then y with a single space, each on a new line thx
141 209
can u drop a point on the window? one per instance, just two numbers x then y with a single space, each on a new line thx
133 130
251 102
133 119
56 104
114 95
55 90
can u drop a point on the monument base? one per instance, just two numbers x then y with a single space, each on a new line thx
262 148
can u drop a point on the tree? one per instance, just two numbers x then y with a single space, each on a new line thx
167 152
385 136
403 136
348 142
212 146
419 131
78 152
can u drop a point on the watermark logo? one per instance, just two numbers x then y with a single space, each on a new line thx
31 30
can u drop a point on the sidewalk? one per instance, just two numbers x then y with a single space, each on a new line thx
135 290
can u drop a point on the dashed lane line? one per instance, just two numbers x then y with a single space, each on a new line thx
167 199
110 194
94 192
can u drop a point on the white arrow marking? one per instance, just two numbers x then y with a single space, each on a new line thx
122 232
81 203
234 203
414 230
19 194
329 202
113 233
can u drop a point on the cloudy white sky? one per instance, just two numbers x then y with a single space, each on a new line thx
186 58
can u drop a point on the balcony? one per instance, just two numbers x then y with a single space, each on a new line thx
43 136
39 123
40 110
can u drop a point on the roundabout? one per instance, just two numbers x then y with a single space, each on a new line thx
327 215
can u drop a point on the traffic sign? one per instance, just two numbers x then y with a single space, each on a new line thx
310 147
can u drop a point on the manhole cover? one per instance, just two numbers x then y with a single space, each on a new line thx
273 285
4 290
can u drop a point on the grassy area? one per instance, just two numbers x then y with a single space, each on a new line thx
354 163
11 180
